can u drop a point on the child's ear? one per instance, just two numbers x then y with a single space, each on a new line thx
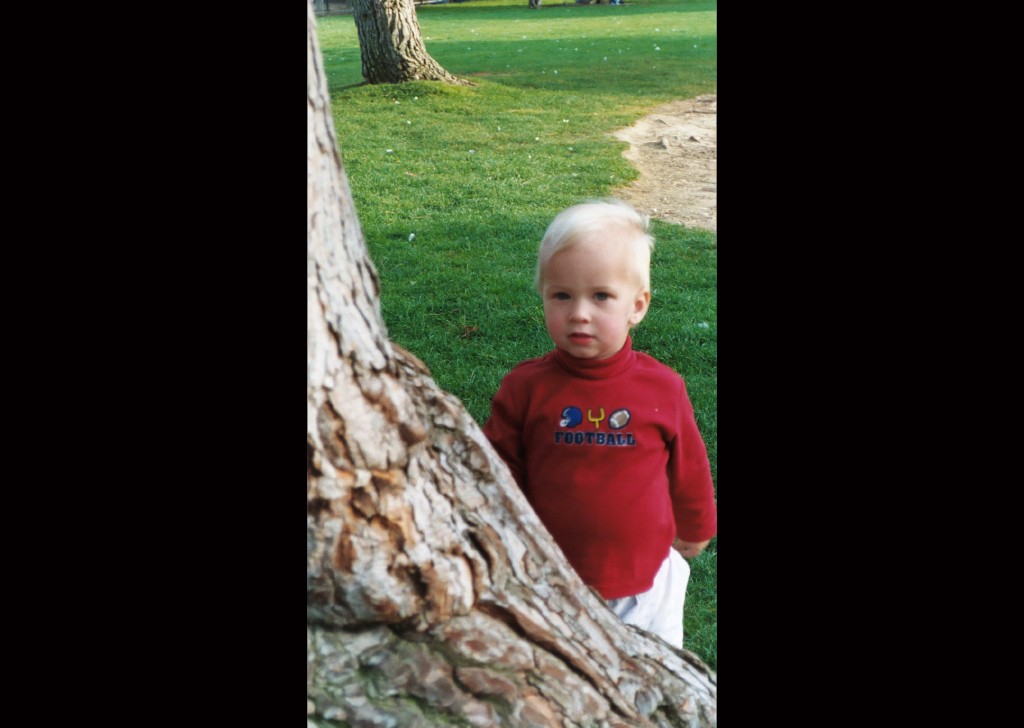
641 304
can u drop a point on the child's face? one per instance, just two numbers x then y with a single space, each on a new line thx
592 296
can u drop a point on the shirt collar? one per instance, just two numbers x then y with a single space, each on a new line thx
598 368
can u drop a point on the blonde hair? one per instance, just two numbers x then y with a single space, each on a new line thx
579 221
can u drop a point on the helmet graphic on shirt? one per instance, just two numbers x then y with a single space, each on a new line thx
571 416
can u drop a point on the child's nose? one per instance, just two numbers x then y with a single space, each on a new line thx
580 312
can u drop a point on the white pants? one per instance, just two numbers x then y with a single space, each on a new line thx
660 608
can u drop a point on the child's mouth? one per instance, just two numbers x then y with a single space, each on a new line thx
581 338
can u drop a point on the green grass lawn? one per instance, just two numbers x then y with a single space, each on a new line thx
454 186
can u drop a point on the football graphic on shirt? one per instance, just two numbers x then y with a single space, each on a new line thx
571 416
619 419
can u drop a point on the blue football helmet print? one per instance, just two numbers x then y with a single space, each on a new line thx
571 416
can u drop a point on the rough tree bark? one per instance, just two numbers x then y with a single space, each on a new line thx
391 44
434 596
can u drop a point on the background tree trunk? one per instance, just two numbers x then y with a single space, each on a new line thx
434 595
391 44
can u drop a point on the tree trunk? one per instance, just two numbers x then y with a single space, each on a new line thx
391 44
434 595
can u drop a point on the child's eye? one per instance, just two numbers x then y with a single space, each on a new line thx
561 296
601 296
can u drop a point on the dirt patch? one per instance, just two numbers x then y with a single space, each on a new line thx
675 149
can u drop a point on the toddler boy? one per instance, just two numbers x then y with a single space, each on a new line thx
601 438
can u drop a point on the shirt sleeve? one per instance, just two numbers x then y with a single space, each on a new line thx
504 429
690 482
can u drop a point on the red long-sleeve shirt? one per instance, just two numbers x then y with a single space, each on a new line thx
608 453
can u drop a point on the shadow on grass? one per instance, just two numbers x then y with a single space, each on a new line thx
648 64
571 11
620 66
610 66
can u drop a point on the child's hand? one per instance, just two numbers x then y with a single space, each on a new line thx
689 549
